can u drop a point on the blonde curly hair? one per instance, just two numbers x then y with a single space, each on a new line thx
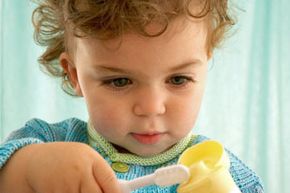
55 20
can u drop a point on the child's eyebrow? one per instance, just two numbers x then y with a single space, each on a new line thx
111 69
191 63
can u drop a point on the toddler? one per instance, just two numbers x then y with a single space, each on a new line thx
141 67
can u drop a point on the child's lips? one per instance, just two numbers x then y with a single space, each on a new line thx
150 138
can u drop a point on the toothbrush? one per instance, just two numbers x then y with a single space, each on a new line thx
165 176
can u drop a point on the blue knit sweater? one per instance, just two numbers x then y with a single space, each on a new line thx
75 130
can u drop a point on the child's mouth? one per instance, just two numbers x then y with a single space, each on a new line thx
147 138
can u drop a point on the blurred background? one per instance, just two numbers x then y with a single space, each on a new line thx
246 104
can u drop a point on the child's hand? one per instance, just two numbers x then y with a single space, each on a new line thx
58 168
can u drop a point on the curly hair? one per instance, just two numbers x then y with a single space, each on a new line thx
54 20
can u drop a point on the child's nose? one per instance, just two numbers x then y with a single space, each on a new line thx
150 102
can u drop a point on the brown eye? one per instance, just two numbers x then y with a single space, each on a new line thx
179 80
119 82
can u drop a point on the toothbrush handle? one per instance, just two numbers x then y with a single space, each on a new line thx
128 186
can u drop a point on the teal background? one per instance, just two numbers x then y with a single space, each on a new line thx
246 104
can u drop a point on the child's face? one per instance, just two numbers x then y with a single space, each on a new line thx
144 95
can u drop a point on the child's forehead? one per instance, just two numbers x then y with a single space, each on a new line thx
179 28
182 40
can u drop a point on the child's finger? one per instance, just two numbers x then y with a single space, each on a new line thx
105 177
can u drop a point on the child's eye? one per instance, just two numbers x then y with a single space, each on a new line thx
118 82
180 80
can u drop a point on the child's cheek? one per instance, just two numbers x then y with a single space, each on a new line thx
111 120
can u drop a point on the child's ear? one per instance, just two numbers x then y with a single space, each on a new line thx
71 71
